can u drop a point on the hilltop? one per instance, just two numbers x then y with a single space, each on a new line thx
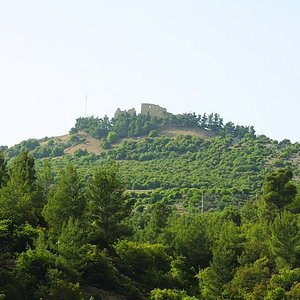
153 120
184 155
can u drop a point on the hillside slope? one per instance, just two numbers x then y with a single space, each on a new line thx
134 208
180 156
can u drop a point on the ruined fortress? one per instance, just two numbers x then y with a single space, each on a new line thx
153 110
119 112
146 109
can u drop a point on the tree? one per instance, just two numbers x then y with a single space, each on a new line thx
32 267
57 150
284 285
285 242
72 246
186 236
107 207
226 250
68 200
168 294
250 281
278 189
18 199
112 137
3 170
45 179
145 263
22 174
158 221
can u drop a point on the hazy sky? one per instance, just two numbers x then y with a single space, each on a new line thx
239 58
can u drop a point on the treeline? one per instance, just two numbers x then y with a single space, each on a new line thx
132 125
126 125
73 237
46 147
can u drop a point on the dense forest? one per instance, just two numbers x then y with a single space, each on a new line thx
213 215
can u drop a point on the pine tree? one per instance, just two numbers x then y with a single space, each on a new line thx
278 189
285 242
107 207
22 173
67 200
3 170
17 198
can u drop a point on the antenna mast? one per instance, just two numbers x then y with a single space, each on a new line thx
85 105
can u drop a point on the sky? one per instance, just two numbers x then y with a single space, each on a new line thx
238 58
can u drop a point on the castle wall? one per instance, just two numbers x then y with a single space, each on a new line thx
119 112
153 110
146 108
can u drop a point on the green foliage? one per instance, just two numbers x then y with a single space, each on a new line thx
181 275
97 127
158 221
250 281
66 201
213 279
33 265
76 139
92 243
98 269
112 137
153 133
45 180
22 174
284 285
19 199
168 294
285 242
130 125
256 245
228 171
186 236
72 246
229 167
57 151
16 206
278 189
146 263
107 207
3 170
73 130
15 238
80 152
11 288
63 290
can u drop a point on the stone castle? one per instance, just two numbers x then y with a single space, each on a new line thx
146 108
153 110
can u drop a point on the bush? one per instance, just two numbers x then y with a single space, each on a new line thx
73 130
80 152
153 133
112 137
57 151
167 294
146 263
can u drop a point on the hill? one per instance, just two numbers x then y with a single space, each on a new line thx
177 158
141 207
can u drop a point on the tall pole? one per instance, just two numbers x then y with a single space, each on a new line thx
85 105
